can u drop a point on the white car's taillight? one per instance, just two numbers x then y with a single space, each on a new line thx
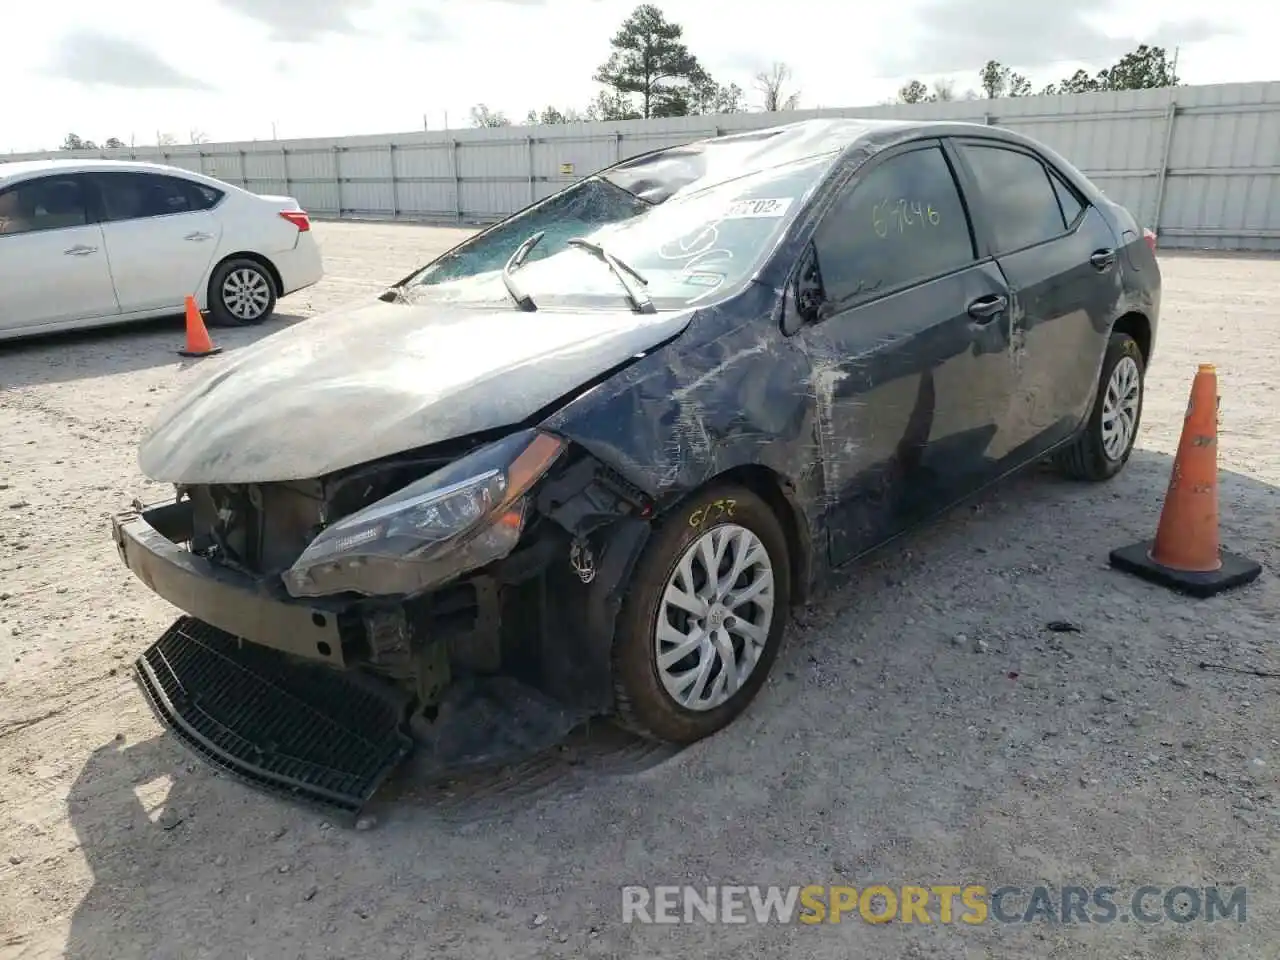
298 218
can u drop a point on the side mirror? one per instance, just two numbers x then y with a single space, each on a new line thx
805 296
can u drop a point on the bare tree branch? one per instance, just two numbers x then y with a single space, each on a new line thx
771 83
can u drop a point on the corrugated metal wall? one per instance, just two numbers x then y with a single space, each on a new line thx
1201 164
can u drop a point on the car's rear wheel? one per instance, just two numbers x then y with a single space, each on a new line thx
702 623
1103 448
241 292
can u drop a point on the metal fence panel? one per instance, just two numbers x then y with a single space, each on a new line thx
1199 164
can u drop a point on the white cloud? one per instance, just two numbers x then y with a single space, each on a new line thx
378 66
101 60
291 20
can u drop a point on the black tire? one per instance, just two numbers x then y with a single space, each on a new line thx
643 704
1086 458
225 313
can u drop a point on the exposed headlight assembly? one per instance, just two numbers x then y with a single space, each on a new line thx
459 518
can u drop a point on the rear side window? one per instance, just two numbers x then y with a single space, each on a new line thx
1018 197
902 221
50 203
1067 199
133 196
203 198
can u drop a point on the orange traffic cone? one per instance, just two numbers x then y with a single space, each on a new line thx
1185 554
198 342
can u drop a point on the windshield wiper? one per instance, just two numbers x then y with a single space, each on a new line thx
638 296
516 261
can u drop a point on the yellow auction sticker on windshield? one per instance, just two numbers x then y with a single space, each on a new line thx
762 207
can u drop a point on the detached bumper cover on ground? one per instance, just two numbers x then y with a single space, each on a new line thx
309 733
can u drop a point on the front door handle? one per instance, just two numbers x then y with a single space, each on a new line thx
80 250
986 309
198 236
1103 259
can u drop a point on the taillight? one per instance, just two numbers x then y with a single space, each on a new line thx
1150 237
298 218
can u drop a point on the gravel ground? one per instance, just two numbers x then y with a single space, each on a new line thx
923 726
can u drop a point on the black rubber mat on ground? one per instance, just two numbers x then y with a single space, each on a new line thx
312 734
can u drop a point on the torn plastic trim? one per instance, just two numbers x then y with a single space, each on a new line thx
579 628
455 520
587 495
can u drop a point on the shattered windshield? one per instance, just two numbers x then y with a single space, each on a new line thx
701 241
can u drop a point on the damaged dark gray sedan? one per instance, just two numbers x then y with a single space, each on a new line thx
583 463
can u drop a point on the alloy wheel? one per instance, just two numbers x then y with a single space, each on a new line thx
715 616
246 293
1120 408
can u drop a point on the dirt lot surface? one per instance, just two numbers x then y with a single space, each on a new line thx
923 726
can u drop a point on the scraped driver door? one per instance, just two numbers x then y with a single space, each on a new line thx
911 351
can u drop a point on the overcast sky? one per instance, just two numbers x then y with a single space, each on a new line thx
232 68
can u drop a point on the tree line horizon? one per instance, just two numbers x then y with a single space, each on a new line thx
650 73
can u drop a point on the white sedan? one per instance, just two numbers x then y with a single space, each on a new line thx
89 242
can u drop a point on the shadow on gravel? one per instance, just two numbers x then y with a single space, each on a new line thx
123 348
563 773
921 726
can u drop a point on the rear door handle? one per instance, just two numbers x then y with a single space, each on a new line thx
198 236
1103 259
986 309
80 250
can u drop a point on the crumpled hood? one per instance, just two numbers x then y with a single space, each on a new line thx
344 388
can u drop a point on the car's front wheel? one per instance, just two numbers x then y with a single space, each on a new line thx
704 618
241 292
1103 448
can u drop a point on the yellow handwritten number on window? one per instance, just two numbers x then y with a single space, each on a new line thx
877 221
900 211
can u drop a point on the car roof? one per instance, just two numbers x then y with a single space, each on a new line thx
659 174
14 170
813 137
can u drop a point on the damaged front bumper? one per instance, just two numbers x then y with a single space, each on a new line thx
491 665
151 541
269 713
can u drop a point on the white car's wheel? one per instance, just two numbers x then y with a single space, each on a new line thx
241 292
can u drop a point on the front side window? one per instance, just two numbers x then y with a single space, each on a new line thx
697 244
901 221
49 203
1017 196
134 196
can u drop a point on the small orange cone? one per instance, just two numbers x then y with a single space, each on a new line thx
1186 554
198 342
